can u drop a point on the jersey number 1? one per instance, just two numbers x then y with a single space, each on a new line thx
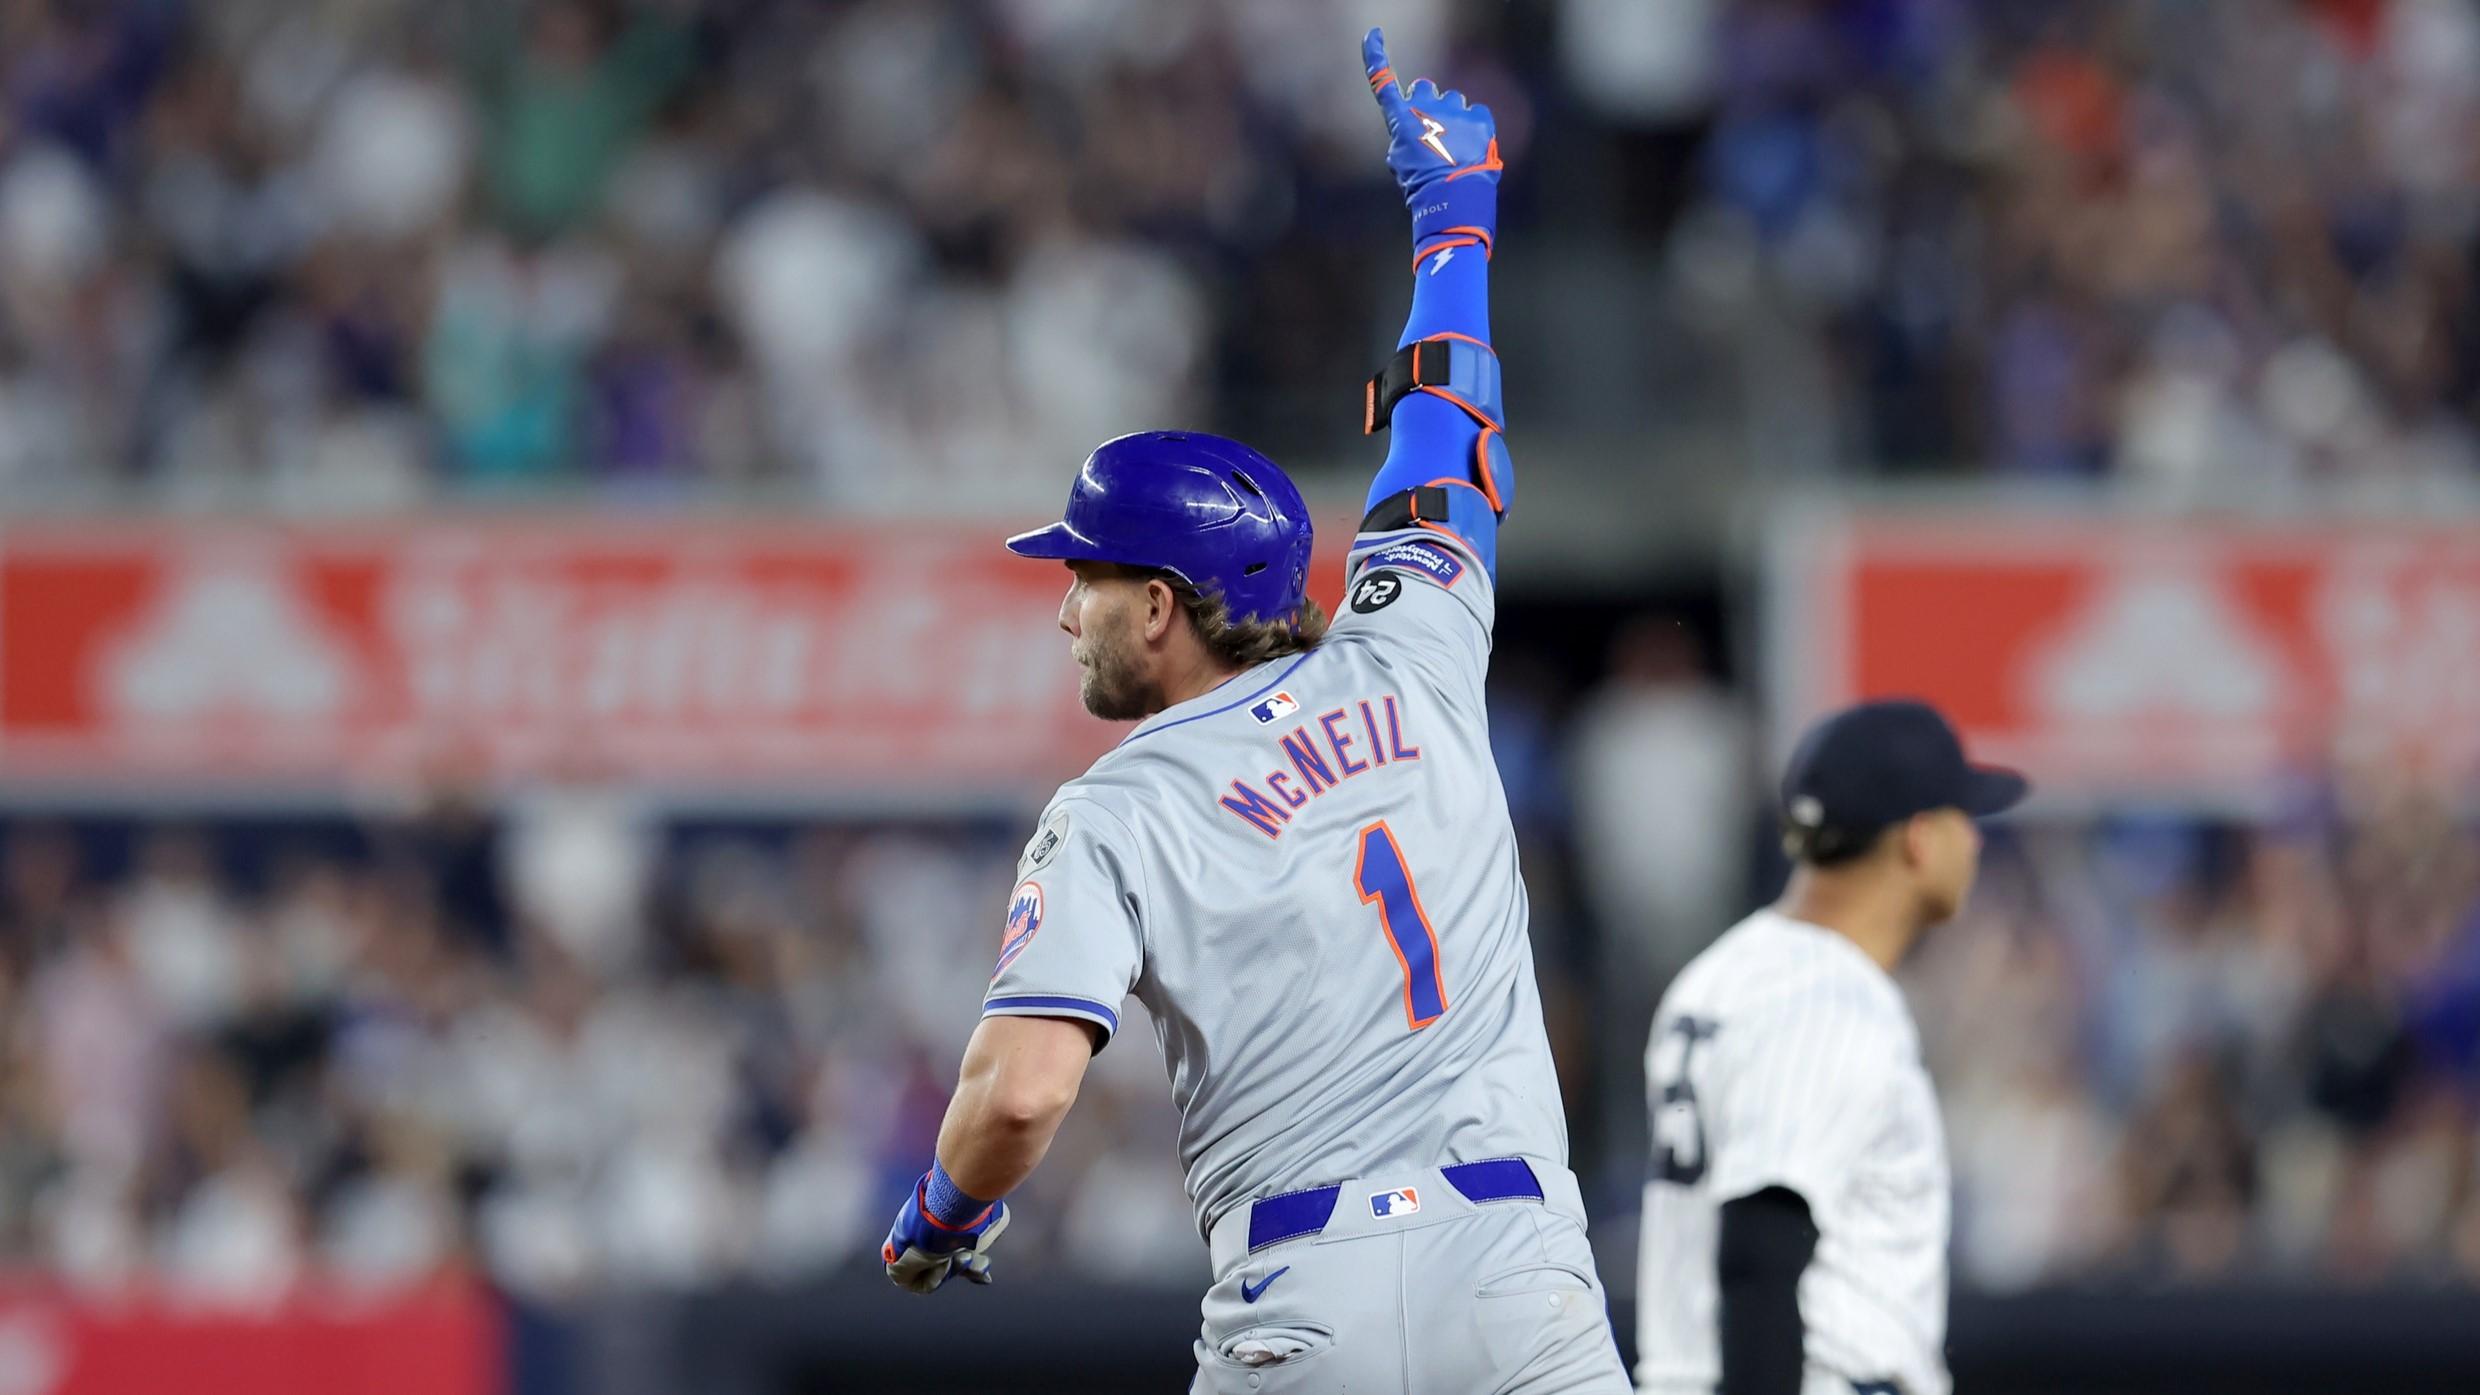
1381 876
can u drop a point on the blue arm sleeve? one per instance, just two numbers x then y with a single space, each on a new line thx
1431 438
1450 295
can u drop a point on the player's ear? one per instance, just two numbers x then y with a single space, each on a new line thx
1919 841
1162 608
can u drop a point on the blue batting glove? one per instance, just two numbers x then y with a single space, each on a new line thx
940 1233
1443 152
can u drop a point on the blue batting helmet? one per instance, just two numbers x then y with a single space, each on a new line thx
1213 512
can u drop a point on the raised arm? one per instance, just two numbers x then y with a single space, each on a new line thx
1447 466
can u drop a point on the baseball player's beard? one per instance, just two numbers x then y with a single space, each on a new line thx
1113 686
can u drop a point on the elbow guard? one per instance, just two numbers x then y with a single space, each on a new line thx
1462 371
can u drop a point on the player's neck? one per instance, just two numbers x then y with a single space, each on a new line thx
1196 677
1871 912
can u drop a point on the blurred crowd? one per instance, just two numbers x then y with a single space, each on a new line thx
561 1044
584 1048
2224 250
2180 1052
878 254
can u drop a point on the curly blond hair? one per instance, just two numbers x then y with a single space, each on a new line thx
1236 644
1247 643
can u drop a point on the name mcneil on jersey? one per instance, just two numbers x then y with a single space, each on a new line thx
1321 755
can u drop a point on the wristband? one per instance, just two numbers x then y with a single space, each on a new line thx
946 1205
1457 201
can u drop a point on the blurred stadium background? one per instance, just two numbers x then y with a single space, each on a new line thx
514 724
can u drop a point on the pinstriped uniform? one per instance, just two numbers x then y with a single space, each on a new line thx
1339 974
1784 1056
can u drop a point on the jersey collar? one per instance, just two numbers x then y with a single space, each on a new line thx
1840 944
1216 700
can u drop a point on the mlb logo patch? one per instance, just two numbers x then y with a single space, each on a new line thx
1402 1201
1274 707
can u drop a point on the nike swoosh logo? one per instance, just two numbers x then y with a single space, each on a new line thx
1249 1291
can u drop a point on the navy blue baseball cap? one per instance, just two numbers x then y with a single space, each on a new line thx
1879 763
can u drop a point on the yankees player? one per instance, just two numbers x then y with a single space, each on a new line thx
1795 1218
1300 862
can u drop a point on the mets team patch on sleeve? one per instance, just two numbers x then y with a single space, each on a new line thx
1429 559
1024 919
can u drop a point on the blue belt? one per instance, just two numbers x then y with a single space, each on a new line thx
1296 1214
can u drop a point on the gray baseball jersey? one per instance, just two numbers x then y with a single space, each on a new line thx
1308 878
1783 1056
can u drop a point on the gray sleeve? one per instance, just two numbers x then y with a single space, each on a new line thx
1074 943
1427 593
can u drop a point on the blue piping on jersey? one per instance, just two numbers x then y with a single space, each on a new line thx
1271 684
1059 1002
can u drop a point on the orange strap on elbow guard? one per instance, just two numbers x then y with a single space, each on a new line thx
1457 367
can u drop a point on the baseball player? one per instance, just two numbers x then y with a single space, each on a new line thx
1796 1212
1300 863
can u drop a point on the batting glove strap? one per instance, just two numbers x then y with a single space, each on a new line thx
1449 240
1466 209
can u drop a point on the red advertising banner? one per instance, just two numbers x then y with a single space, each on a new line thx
787 659
2152 659
440 1340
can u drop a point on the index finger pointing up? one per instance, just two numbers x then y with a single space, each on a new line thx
1382 84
